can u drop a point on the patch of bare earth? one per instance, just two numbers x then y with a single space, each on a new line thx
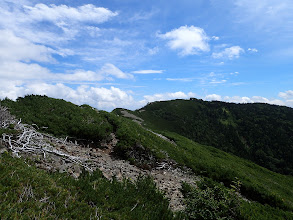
55 154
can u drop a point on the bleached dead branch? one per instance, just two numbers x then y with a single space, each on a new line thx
29 140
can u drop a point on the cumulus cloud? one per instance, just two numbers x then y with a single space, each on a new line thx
244 99
230 53
99 97
286 95
166 96
17 57
63 13
15 70
63 23
213 97
11 89
147 71
188 40
13 48
254 99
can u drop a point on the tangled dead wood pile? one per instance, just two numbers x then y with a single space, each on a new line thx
28 140
59 154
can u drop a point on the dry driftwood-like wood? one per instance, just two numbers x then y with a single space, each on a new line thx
6 118
29 140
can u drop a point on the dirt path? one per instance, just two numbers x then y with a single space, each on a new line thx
55 154
168 179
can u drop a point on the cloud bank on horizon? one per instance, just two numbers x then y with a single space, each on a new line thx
125 54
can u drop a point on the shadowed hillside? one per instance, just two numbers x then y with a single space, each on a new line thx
261 133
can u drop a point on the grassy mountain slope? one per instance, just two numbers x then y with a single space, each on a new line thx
62 118
272 192
261 133
30 193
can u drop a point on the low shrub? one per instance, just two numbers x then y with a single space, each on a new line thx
210 200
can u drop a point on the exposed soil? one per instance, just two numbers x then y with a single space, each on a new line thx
55 154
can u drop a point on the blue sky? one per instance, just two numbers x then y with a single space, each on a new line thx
113 53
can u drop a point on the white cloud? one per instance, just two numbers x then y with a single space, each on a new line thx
180 79
143 16
11 89
213 97
14 70
73 31
63 23
153 51
117 42
93 31
265 14
79 76
230 53
111 70
111 98
13 48
286 95
244 99
147 71
237 99
215 38
215 81
188 40
252 50
17 56
61 14
99 97
269 101
166 96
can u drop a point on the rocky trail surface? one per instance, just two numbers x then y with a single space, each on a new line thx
53 154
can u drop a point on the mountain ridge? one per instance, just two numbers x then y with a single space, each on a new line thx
221 174
259 132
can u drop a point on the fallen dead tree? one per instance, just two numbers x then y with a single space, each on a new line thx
28 140
6 119
63 155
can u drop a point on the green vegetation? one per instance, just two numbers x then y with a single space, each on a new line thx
253 210
258 183
271 192
7 131
27 193
61 118
261 133
210 200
